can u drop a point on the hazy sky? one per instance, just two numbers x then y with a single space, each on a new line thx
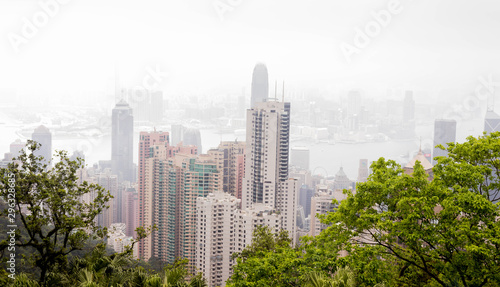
427 44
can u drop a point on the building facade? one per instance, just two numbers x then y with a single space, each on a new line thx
122 132
43 136
445 131
266 178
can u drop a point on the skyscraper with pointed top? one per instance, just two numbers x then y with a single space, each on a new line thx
122 132
260 84
491 119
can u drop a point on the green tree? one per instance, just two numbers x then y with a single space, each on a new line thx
420 231
482 153
271 261
344 277
50 205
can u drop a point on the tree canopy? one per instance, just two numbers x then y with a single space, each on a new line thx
50 204
400 229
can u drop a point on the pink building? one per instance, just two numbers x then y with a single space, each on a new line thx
146 141
131 206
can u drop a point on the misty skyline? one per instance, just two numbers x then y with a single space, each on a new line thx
426 45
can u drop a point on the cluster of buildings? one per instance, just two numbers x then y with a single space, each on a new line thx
206 206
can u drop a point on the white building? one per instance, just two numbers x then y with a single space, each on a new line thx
222 229
117 239
321 203
266 178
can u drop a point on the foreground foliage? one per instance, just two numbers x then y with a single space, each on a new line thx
57 242
49 204
436 228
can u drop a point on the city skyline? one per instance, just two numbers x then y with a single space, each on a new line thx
203 125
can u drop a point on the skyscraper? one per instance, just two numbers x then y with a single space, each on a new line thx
172 186
491 122
260 84
131 214
363 170
146 140
230 158
223 229
216 235
192 136
109 182
16 147
321 203
266 162
445 131
43 136
122 132
176 134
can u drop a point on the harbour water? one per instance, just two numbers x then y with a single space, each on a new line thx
325 158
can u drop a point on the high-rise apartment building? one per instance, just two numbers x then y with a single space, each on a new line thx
154 152
109 182
217 226
131 211
321 203
260 85
122 132
223 229
266 162
445 132
230 158
43 136
172 183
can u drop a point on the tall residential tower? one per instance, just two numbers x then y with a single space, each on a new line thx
266 180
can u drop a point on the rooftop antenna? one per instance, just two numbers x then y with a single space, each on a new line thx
117 84
420 148
276 89
283 96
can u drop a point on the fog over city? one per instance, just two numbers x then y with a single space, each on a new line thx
69 63
205 119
